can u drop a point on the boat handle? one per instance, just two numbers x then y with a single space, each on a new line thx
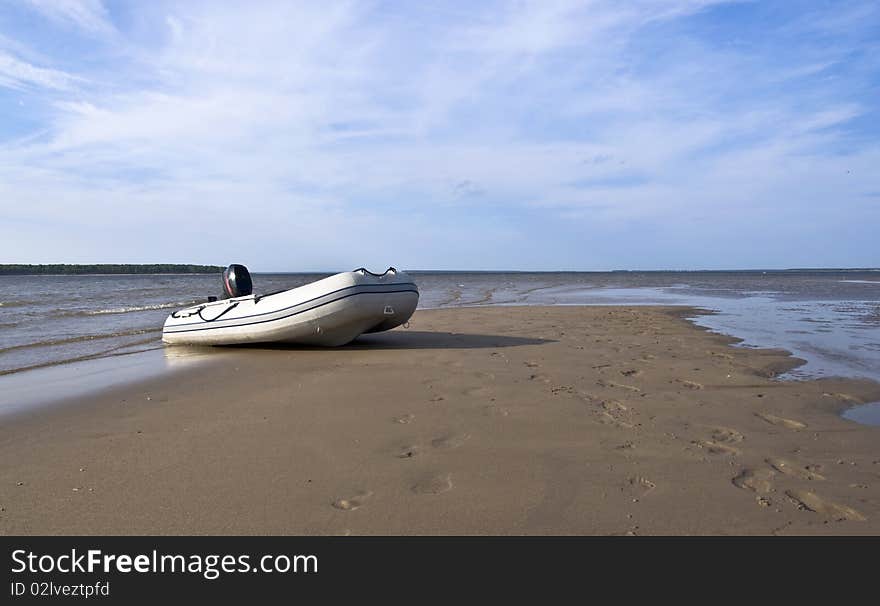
367 271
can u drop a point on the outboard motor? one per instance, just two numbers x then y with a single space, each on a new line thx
236 282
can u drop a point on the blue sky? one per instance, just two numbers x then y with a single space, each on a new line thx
646 134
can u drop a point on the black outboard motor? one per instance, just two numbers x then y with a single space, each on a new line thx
236 282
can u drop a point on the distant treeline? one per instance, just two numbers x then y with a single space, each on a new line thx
109 268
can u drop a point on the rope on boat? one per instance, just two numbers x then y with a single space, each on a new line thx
198 312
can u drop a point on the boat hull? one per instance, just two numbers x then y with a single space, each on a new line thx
329 312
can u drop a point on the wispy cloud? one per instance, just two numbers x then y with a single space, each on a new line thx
88 15
503 135
18 74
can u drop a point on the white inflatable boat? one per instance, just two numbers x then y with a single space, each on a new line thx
330 312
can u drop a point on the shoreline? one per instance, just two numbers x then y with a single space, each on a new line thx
498 420
19 395
44 388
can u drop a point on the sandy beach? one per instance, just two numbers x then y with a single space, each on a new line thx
503 420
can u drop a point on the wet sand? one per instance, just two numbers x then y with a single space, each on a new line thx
502 420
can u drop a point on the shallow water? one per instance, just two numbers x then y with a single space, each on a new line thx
49 320
831 319
866 414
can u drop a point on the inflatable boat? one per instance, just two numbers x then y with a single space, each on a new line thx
330 312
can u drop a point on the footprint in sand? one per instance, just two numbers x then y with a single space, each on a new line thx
716 448
434 484
448 441
493 410
638 486
804 472
588 397
726 435
531 364
631 372
615 413
408 452
614 406
689 384
608 419
604 383
756 480
352 503
780 421
812 502
480 392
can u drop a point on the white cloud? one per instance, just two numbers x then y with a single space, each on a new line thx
308 126
88 15
18 74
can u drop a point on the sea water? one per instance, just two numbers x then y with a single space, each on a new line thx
829 318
